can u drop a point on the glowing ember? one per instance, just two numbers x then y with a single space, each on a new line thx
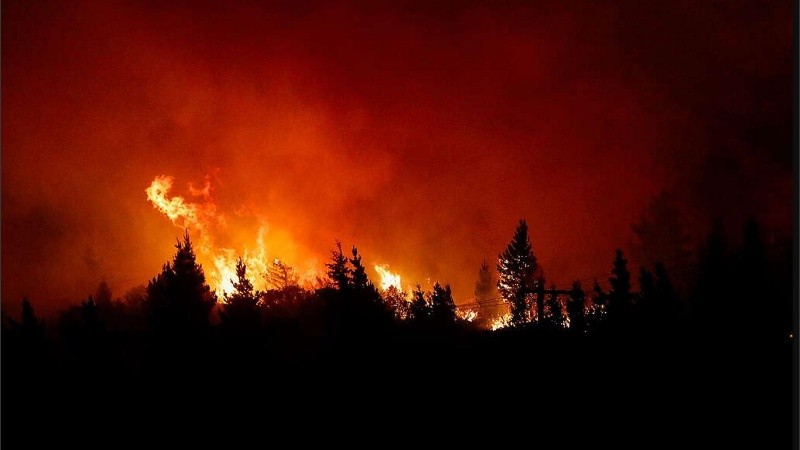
388 279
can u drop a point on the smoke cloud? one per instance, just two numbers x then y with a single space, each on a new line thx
420 133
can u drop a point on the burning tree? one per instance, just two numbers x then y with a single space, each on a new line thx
280 276
620 297
395 300
520 274
284 292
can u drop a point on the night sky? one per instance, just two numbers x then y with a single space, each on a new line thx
419 131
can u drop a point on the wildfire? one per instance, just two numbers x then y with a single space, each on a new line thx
205 221
467 314
178 210
388 279
501 322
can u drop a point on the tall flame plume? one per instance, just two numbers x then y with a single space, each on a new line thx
204 220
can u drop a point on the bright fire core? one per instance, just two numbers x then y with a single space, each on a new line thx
388 279
203 218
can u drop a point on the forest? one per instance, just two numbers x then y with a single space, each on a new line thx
710 362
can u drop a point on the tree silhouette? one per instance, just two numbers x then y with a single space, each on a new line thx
517 267
576 306
240 312
284 293
443 309
359 277
179 300
600 296
555 314
420 309
367 302
280 276
395 300
25 338
90 317
338 273
619 299
30 331
30 324
103 296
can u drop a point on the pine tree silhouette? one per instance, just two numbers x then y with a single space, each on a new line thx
600 296
359 277
420 309
620 298
240 313
338 273
518 270
30 324
576 306
31 329
103 296
179 301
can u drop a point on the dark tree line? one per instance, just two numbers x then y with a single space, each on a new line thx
578 345
735 290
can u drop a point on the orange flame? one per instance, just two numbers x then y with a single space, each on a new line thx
388 279
467 314
180 212
501 322
204 220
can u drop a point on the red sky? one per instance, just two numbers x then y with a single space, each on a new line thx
419 131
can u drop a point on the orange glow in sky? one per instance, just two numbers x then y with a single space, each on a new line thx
420 134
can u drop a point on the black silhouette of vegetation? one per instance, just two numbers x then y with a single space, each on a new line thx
520 277
640 344
179 301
